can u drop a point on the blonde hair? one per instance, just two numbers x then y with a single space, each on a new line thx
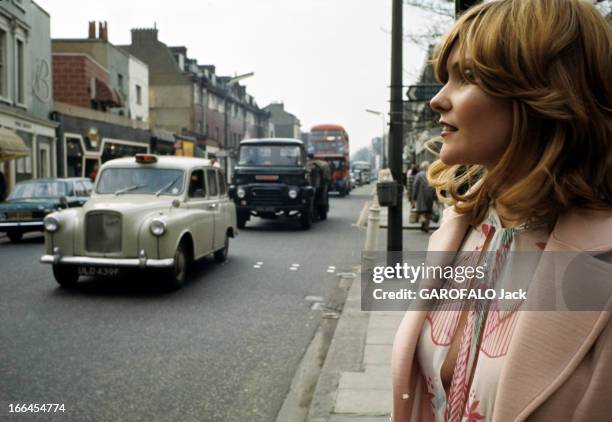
552 59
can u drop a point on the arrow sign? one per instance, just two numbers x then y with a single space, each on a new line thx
422 92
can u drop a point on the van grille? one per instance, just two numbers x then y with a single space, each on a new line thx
103 233
266 196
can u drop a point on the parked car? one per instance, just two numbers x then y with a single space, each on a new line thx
31 200
146 212
274 178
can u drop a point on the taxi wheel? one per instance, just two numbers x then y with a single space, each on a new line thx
177 273
15 236
65 275
221 254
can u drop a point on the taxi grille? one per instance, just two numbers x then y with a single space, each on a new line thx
265 196
103 232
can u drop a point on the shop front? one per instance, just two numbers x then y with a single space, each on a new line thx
84 144
26 147
185 145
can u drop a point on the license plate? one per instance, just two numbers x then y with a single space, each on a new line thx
99 271
265 209
20 216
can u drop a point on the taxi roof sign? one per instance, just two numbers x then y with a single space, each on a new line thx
146 158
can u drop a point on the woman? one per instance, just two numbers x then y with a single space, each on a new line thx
423 196
526 118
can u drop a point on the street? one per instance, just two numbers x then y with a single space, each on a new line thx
223 348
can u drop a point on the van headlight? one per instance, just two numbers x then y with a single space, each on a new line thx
158 227
293 193
240 192
51 224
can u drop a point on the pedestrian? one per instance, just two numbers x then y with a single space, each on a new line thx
423 197
3 188
94 172
525 107
410 174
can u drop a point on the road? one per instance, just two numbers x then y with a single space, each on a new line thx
223 348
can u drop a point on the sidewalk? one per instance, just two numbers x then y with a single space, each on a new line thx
355 381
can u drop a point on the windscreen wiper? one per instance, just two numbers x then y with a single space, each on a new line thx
129 188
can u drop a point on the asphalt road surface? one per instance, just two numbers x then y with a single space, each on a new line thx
223 348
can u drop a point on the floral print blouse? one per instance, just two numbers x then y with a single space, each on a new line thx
487 331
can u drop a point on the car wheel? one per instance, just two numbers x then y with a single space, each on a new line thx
221 254
15 236
177 274
66 275
306 217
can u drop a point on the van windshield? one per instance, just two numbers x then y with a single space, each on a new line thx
271 155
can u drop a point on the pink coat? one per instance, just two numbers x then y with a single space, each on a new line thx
559 364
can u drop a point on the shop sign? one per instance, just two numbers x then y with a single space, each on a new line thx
94 136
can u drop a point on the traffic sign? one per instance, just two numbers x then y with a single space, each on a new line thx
422 92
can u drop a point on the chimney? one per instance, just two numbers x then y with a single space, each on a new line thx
92 30
103 31
144 35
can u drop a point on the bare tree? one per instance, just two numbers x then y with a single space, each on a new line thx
439 15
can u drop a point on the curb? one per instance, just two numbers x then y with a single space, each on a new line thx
345 354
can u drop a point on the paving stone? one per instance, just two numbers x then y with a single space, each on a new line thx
375 377
377 354
358 418
364 402
381 335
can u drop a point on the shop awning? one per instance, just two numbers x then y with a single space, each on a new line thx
11 145
162 135
107 95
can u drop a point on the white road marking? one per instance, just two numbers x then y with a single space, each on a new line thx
314 299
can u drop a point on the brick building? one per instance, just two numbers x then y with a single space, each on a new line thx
98 119
192 100
286 125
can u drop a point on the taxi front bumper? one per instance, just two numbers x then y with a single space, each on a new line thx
141 262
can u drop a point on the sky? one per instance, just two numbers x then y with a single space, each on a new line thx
326 60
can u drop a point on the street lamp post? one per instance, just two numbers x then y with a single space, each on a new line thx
227 145
383 162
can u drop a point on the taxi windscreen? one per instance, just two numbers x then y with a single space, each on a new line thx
140 181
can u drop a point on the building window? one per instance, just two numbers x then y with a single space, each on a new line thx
3 63
74 158
217 134
20 73
138 95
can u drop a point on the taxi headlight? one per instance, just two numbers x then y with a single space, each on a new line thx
240 192
158 227
293 193
51 224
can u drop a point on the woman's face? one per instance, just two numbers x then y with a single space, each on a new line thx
476 127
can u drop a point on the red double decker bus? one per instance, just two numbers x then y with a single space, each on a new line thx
330 142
